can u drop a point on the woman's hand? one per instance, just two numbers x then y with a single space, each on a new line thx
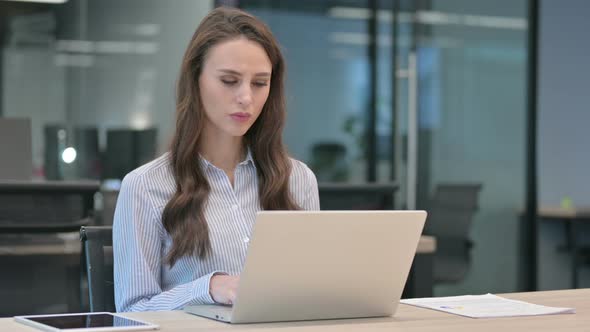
223 288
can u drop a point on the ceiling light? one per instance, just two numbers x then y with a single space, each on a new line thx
69 155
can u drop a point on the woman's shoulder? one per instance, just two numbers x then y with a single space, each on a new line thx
152 173
301 172
304 186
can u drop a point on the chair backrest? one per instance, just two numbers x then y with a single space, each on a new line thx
451 210
365 196
450 215
98 246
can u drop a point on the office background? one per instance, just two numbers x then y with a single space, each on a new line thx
98 75
564 112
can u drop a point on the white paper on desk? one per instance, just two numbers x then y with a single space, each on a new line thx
485 306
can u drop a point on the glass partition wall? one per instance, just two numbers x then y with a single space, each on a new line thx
439 87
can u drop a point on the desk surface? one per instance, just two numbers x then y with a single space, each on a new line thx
563 213
407 318
427 245
52 187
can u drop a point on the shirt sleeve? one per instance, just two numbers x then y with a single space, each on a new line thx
304 187
137 249
312 199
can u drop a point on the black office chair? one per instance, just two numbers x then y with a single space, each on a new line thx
352 196
450 215
98 246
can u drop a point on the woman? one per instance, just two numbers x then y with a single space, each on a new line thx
183 221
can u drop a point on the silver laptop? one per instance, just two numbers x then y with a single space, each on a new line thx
308 265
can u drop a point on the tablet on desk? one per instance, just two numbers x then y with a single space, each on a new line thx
87 322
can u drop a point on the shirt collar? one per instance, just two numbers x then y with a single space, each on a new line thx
248 160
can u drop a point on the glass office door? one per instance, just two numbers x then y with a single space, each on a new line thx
460 118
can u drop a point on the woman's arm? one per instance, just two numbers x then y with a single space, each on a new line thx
137 249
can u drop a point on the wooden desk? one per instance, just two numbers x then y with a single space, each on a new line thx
35 245
571 218
427 245
407 318
582 213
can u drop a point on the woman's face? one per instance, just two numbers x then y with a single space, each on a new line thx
234 85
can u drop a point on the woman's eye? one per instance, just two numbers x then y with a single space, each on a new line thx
229 82
260 84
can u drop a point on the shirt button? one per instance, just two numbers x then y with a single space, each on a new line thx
235 207
246 239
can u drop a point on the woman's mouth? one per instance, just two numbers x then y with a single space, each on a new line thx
240 116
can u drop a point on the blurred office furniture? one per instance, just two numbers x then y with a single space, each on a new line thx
45 206
582 259
128 149
450 215
109 202
328 162
573 219
88 154
420 281
16 157
362 196
83 141
39 225
55 140
98 248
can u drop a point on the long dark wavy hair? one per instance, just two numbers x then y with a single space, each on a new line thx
183 216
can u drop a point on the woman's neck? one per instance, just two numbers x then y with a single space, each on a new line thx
225 152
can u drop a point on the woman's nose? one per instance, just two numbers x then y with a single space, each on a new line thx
245 95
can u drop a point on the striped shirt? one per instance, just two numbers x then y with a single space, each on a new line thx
143 281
